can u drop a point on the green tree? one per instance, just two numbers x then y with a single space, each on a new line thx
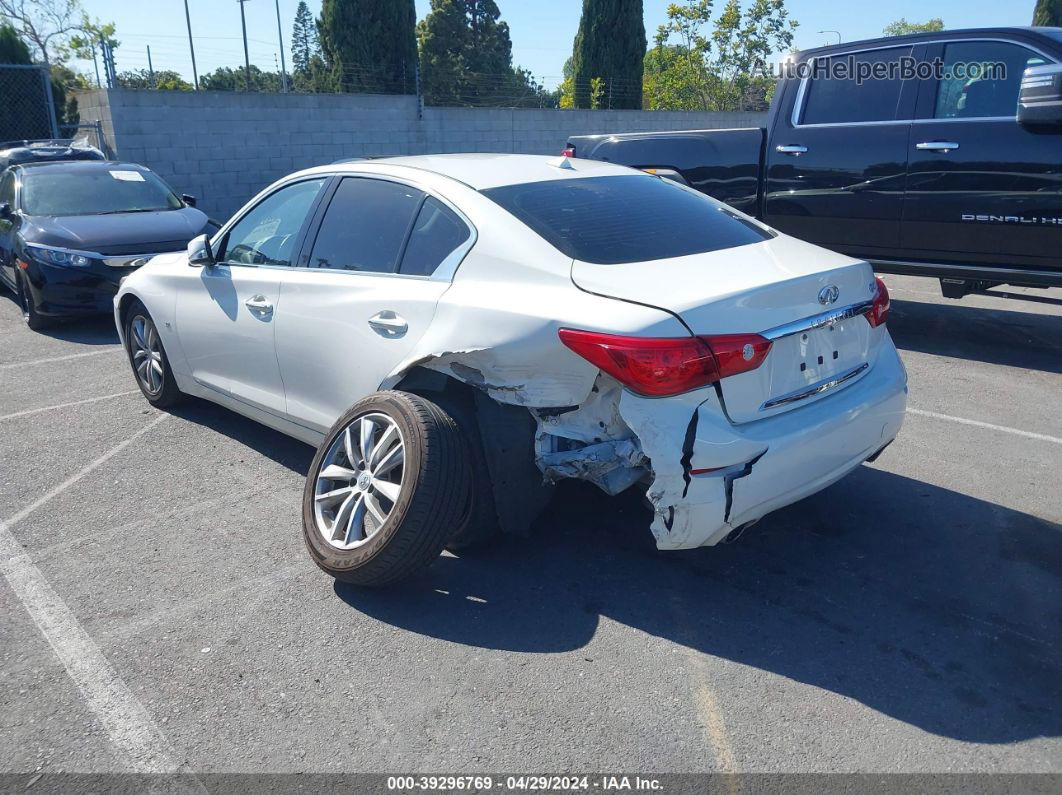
43 24
12 48
727 69
902 27
610 46
370 45
225 78
466 58
1048 13
164 80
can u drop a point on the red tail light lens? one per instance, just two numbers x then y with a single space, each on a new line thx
657 367
879 312
568 151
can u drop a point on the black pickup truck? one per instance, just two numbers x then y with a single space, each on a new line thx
941 174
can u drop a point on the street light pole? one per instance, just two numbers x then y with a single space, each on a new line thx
246 56
191 45
283 66
833 31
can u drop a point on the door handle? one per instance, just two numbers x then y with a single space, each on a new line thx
388 324
791 149
937 146
259 303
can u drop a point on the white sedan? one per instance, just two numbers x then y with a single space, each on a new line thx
457 332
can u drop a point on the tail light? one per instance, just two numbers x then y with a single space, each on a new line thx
568 151
879 312
656 367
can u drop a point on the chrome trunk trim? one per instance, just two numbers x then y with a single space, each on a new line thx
827 318
814 389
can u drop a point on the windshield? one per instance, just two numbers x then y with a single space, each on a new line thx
94 192
613 220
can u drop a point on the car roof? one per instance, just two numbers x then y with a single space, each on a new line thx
485 171
916 38
81 165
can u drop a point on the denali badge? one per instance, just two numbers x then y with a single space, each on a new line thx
827 295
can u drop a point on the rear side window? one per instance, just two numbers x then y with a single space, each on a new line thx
436 234
612 220
7 189
983 79
835 99
365 226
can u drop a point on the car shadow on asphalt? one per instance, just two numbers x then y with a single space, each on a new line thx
285 450
930 606
994 336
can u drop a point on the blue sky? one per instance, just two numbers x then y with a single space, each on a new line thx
542 30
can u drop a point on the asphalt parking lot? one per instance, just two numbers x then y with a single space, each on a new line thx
158 610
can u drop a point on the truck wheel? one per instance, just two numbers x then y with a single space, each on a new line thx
148 359
386 489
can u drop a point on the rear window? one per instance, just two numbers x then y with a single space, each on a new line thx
612 220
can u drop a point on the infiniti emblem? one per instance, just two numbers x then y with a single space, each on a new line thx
828 295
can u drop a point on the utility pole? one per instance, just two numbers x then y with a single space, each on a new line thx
151 69
246 56
191 45
283 66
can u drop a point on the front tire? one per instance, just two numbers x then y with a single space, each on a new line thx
147 357
385 490
30 315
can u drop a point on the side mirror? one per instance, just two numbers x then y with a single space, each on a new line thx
5 210
189 201
1040 101
200 255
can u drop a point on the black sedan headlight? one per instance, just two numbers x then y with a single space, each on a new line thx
62 257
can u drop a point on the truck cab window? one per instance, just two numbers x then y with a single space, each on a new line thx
982 79
833 99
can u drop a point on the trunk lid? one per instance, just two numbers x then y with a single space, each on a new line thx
771 288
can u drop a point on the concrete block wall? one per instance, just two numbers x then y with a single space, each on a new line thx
223 147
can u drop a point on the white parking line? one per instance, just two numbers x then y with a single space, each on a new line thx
987 425
68 357
30 412
131 730
134 735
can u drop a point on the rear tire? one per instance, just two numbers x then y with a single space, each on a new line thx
147 357
30 315
370 521
480 525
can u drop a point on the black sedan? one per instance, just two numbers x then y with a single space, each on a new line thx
69 232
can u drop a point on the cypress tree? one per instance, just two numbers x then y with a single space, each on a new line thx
370 45
610 46
1048 13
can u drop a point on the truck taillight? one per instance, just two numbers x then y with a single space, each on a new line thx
879 312
568 151
662 367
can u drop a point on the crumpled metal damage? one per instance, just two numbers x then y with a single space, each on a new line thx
609 437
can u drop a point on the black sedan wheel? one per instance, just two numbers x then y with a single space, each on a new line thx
33 318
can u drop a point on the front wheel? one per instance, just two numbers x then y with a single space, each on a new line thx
148 359
385 491
34 319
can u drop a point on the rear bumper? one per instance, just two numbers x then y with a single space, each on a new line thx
762 466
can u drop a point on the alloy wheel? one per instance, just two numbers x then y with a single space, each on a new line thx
359 481
147 354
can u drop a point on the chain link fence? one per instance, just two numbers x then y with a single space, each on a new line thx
26 97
